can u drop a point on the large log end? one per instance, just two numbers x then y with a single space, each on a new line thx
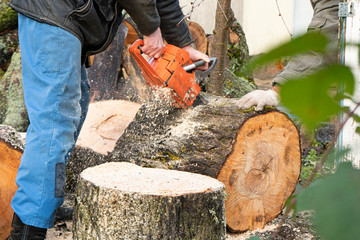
126 201
262 171
11 148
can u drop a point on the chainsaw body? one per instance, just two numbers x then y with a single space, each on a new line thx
168 71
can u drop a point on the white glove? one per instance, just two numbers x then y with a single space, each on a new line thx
259 99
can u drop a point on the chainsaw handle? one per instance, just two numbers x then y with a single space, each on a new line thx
144 65
212 64
200 75
194 65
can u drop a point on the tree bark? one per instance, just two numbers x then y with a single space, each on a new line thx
204 138
218 47
12 107
125 201
105 72
11 148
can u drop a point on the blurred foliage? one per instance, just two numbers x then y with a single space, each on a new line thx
334 197
8 17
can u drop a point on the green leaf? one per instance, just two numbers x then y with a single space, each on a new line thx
336 202
309 97
356 118
357 130
311 41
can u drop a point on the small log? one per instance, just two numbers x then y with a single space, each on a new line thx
255 154
199 36
133 33
125 201
11 148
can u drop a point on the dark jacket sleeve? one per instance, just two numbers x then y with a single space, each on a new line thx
173 27
144 14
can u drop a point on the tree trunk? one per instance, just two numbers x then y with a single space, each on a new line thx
12 107
11 148
218 48
256 155
125 201
105 72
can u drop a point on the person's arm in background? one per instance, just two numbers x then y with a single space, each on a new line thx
325 20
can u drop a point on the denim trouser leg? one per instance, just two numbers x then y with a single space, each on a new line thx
54 84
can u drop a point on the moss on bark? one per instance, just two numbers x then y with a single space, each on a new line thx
12 106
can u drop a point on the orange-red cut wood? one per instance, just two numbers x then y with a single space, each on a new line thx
9 164
199 36
132 34
261 172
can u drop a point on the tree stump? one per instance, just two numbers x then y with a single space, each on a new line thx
125 201
255 154
11 148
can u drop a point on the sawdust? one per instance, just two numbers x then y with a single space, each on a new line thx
128 177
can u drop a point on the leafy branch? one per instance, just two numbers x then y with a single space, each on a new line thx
313 99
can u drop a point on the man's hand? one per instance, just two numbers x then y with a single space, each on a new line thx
153 44
196 55
260 99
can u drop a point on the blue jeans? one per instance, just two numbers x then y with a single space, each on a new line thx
57 94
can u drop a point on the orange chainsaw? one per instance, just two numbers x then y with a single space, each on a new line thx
174 70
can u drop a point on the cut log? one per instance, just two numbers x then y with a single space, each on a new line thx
255 154
199 36
125 201
105 122
11 148
133 33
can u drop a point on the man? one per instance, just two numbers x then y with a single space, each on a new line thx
55 39
326 21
